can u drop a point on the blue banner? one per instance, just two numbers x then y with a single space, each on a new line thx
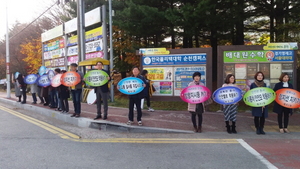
131 85
181 59
31 79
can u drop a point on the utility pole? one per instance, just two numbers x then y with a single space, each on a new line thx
81 31
7 56
111 51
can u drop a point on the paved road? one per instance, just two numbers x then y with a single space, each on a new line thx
29 143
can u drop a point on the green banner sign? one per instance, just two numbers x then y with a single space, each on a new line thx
258 56
96 78
259 97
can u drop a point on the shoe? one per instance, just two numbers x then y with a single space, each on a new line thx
233 128
228 127
57 109
262 131
33 103
77 116
258 131
105 117
73 115
129 122
62 112
140 123
286 130
195 129
19 101
199 129
151 110
45 104
23 102
41 103
97 117
281 131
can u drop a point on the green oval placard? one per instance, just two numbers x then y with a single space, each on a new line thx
96 78
260 96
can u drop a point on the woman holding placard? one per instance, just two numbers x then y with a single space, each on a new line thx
230 110
259 113
280 110
136 99
17 88
196 109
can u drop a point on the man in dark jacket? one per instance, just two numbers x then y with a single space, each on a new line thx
102 92
76 92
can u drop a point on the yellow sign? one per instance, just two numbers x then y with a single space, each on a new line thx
282 46
153 51
47 63
156 73
89 36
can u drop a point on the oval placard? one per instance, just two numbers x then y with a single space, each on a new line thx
288 98
70 79
195 94
42 70
44 81
31 79
92 97
16 75
227 95
51 74
96 78
56 80
130 85
258 97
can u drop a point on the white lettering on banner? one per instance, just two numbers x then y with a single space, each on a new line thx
89 47
54 54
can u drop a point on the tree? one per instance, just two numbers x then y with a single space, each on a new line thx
33 52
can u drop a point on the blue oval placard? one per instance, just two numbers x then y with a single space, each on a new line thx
44 81
227 95
31 79
130 85
51 74
16 75
42 70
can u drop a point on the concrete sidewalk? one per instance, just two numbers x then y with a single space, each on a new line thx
158 121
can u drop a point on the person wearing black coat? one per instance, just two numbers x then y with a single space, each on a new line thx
146 89
280 110
136 99
64 95
102 93
23 87
259 113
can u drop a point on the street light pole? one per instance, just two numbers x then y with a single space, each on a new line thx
81 31
7 56
111 51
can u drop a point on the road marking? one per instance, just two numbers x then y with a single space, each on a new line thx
55 130
256 154
70 136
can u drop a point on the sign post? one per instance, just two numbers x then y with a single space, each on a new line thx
7 56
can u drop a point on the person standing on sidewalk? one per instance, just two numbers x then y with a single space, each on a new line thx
259 113
196 109
33 91
147 89
39 92
136 99
76 92
280 110
64 95
55 93
102 93
23 87
230 110
17 89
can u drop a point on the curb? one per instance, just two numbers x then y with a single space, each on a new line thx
89 123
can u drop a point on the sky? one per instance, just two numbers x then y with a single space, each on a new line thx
23 11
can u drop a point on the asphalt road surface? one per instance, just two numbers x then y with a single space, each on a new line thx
26 142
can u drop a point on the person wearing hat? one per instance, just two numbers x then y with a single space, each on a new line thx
76 92
196 109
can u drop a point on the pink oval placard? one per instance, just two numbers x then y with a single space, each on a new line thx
195 94
56 80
